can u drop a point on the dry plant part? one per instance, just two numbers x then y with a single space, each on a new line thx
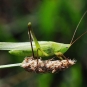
46 66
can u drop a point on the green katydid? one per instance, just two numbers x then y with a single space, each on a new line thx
46 48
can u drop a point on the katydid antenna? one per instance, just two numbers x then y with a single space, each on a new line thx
72 42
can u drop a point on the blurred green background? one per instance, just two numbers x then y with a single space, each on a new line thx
52 20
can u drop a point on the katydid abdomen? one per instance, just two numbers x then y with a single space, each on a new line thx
24 48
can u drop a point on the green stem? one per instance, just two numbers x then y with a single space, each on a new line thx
10 65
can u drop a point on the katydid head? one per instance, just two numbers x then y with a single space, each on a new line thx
64 47
72 42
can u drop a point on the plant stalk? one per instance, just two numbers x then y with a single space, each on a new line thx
10 65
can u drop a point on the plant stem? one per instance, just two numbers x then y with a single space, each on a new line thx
10 65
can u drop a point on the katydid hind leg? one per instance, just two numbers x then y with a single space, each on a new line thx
30 37
36 42
29 33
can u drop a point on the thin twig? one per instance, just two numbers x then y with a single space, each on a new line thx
10 65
